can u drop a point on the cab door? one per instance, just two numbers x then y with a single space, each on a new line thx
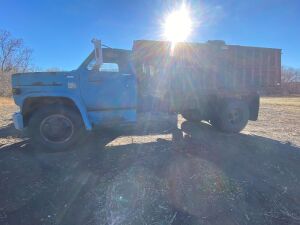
109 93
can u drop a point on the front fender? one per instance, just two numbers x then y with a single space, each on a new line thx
77 101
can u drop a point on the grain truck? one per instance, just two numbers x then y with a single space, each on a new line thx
212 81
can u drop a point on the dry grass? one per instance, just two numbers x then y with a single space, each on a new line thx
279 119
281 101
6 101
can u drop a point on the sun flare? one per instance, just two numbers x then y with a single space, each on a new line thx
178 25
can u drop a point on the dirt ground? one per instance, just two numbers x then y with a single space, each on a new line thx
147 177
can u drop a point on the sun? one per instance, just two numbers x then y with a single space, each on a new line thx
178 25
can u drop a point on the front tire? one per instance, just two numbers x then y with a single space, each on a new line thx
56 128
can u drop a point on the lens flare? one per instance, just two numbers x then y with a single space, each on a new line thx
178 25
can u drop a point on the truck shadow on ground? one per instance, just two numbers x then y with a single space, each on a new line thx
204 177
9 130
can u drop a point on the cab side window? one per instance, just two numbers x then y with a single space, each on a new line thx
109 67
105 67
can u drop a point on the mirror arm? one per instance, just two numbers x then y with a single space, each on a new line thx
97 52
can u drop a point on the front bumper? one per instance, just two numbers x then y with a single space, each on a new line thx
18 121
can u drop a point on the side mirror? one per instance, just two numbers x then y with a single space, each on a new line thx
98 54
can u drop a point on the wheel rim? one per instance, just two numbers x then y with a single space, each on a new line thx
56 129
234 116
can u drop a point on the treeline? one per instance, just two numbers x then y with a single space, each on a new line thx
290 75
15 57
290 81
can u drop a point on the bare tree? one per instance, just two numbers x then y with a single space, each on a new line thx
14 56
290 80
289 74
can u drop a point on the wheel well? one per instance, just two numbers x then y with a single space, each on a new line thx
32 104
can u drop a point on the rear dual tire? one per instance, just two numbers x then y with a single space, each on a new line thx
231 117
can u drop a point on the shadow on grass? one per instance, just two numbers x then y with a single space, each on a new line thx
204 177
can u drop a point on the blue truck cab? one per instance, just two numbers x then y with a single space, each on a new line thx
57 105
113 86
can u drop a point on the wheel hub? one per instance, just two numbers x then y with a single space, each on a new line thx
57 128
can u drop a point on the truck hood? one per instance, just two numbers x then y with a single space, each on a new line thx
39 79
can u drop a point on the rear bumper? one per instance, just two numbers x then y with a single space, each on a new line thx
18 121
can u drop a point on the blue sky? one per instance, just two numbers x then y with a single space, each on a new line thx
60 31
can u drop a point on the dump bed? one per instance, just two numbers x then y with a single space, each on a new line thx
193 74
212 65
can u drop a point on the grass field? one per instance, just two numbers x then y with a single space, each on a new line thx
279 119
207 177
281 101
4 101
